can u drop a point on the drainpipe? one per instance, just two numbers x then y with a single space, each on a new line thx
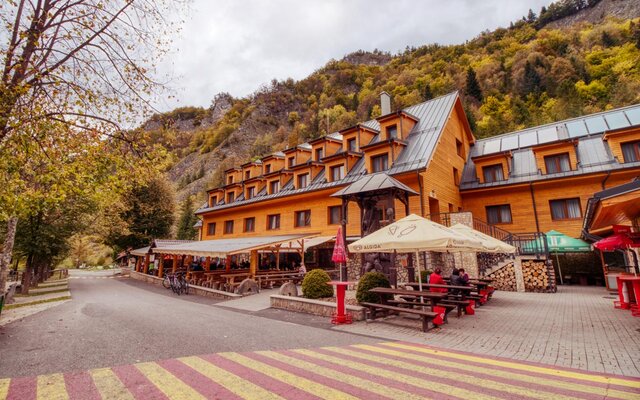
533 202
604 181
421 193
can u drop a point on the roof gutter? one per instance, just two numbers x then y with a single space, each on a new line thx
421 193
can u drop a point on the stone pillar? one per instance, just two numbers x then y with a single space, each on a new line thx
517 266
466 260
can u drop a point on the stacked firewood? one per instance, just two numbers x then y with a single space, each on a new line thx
535 276
504 278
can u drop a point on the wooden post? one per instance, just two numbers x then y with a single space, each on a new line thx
228 263
278 257
253 263
138 262
207 264
146 263
175 264
160 265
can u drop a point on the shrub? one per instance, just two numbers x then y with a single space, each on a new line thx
372 280
314 284
424 275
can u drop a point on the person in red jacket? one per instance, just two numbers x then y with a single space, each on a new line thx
436 279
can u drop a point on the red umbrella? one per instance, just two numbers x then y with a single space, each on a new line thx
339 252
619 241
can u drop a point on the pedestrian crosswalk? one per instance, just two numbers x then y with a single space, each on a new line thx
392 370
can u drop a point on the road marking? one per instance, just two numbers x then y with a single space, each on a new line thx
521 367
232 382
4 387
171 386
406 379
507 375
109 386
342 377
51 387
307 385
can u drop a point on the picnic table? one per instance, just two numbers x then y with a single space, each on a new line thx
465 291
278 277
408 307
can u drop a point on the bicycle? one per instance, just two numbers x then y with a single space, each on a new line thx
176 282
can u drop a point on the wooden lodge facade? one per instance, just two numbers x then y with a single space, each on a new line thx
533 180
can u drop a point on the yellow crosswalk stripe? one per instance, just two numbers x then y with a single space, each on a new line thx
4 388
307 385
232 382
342 377
521 367
109 386
172 387
480 382
538 381
409 380
51 387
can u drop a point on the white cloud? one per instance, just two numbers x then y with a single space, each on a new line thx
236 46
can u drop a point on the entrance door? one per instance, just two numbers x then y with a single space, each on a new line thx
434 209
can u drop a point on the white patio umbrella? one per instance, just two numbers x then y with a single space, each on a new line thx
413 234
491 244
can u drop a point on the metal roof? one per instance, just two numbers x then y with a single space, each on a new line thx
421 142
594 155
588 125
224 247
373 182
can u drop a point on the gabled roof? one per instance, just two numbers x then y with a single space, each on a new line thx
373 182
432 116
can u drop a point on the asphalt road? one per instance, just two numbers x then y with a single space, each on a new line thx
113 322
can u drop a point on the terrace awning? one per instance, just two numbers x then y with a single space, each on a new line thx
295 246
225 247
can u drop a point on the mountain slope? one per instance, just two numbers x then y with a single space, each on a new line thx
510 78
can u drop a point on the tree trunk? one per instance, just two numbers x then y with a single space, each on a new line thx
5 257
26 276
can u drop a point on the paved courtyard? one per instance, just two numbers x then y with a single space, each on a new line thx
379 371
576 328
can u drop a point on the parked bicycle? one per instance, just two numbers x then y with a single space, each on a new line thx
176 282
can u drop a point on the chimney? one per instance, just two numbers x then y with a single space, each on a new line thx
385 103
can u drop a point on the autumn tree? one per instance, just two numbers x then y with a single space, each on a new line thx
84 64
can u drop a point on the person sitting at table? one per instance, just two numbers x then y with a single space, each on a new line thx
196 267
436 279
453 278
463 278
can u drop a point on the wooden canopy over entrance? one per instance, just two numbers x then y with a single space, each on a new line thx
375 195
619 205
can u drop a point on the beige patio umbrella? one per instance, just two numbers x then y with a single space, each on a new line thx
413 234
491 244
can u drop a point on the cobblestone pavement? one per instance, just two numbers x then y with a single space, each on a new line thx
387 370
577 327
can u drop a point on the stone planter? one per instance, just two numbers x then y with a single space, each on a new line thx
315 307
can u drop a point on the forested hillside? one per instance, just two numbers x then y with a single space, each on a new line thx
536 71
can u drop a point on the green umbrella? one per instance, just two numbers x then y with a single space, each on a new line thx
558 242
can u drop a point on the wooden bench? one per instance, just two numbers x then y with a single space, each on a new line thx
460 304
414 303
426 316
278 277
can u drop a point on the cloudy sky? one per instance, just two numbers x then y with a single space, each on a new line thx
237 45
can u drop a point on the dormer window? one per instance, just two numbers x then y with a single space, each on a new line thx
267 168
230 179
351 144
231 196
380 163
251 192
392 132
291 161
492 173
631 151
247 175
303 181
557 163
337 173
319 154
213 201
274 187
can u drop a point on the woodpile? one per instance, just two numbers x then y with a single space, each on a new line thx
535 276
504 278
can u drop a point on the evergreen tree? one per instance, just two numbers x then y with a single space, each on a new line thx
532 82
472 86
186 221
427 94
531 16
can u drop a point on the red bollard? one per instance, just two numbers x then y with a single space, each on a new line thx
439 320
340 317
471 308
